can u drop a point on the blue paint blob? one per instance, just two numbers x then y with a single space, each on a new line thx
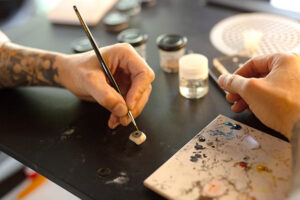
228 124
233 126
227 134
217 132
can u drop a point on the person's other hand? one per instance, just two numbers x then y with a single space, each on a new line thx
270 87
83 76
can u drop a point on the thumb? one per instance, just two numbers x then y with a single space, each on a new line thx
232 83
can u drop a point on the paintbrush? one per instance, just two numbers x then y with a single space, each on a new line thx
104 66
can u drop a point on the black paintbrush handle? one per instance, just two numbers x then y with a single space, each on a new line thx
98 54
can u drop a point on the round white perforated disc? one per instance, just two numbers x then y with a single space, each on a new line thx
279 34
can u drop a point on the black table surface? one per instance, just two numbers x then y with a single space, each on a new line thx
33 119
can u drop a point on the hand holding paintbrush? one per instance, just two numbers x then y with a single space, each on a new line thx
134 74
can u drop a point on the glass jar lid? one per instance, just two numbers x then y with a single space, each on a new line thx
171 42
115 19
133 37
126 5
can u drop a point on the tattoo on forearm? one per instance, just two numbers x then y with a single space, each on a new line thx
23 67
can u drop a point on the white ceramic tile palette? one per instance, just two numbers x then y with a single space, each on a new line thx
227 160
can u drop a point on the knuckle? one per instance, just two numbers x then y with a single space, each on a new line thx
251 84
230 80
125 46
91 76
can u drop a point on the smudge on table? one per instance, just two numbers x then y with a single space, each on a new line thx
104 172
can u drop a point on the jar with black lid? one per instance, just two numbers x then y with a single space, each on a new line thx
171 48
115 22
136 38
129 7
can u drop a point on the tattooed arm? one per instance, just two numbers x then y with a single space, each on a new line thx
21 66
82 75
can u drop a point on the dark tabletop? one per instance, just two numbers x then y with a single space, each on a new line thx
32 120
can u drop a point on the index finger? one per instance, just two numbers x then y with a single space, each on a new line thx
258 66
142 77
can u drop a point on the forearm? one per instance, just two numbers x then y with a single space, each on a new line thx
21 66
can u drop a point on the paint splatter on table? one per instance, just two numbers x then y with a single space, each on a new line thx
226 160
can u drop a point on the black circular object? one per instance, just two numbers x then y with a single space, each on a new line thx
133 37
126 5
147 3
81 45
116 21
171 42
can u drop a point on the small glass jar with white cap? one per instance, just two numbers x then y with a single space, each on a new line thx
193 76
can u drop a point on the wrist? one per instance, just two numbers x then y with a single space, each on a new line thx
62 62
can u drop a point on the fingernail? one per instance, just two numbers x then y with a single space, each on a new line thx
221 80
120 110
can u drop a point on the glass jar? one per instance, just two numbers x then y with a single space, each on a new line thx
129 7
136 39
171 48
115 22
193 76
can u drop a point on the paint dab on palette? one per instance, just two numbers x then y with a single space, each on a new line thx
228 124
246 158
198 155
262 168
209 143
236 127
243 165
214 188
201 139
233 126
193 158
199 147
